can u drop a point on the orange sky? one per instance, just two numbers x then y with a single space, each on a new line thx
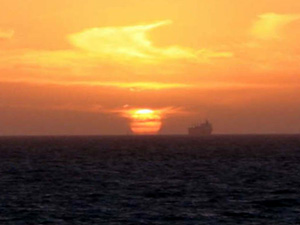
75 67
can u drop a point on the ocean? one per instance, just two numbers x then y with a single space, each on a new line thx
112 180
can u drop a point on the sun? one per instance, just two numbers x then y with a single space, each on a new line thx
145 121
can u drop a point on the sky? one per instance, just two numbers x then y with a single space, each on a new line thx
93 67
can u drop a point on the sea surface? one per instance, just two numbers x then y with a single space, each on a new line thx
148 180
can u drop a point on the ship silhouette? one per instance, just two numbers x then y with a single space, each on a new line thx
202 129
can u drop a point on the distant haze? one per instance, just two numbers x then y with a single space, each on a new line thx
107 67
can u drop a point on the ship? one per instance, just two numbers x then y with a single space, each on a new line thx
203 129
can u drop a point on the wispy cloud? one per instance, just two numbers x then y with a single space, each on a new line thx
139 86
269 25
127 110
132 43
132 86
108 54
126 46
6 34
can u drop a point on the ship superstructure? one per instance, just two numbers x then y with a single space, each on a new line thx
203 129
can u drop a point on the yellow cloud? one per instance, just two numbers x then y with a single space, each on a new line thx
106 46
132 86
127 111
131 43
6 34
141 86
269 25
101 56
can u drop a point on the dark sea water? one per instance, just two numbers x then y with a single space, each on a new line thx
150 180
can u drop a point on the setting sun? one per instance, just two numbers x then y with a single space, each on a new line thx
145 121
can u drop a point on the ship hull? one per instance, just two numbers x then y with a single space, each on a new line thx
203 129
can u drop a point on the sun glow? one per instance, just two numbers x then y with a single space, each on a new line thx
145 121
